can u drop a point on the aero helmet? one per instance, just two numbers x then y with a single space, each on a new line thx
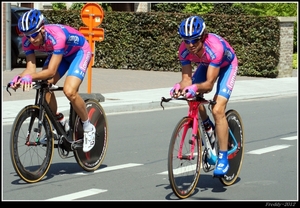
191 27
31 21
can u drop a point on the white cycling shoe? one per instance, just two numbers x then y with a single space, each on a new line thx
89 140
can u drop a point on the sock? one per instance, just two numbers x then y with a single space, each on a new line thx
209 128
222 155
87 126
208 123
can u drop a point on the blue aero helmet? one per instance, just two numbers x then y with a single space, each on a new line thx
31 21
191 28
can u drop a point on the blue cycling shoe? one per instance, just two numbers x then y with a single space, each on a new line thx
222 166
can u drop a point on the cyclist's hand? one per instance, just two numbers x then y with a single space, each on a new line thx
15 82
190 91
174 91
26 82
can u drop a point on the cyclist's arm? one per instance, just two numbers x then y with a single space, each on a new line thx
186 66
211 77
51 70
186 79
30 65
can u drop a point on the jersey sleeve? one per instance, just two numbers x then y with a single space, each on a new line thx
217 57
183 55
215 49
59 43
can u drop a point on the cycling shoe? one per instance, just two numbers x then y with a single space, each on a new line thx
222 168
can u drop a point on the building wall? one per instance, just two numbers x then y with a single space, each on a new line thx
142 7
285 64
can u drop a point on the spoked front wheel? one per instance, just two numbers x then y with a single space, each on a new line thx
31 160
91 161
235 160
183 170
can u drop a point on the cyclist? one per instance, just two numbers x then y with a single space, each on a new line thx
216 61
68 51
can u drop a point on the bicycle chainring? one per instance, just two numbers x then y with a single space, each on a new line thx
63 153
205 165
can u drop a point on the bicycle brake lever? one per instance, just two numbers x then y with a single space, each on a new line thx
7 87
163 99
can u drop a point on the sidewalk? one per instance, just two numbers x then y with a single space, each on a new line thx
131 90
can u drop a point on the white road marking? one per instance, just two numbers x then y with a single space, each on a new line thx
77 195
163 173
116 167
181 170
290 138
268 149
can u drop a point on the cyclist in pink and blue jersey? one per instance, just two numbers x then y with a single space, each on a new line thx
216 62
69 53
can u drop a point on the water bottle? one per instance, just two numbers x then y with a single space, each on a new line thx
212 156
211 135
63 121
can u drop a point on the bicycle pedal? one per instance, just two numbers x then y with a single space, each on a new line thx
76 146
78 141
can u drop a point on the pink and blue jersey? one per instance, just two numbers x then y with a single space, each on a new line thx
65 40
217 53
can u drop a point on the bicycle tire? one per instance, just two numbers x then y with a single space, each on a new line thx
184 174
31 163
236 159
91 161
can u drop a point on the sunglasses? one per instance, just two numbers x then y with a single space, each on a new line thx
33 35
191 41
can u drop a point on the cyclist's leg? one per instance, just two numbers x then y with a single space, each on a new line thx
221 130
225 85
78 67
50 96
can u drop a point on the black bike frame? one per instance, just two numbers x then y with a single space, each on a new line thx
40 101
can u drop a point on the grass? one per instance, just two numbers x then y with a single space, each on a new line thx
295 63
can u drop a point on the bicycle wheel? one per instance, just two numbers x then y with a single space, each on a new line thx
184 173
236 158
92 160
31 160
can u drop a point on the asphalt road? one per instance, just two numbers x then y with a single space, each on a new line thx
136 162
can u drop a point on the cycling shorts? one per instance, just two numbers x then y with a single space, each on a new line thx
76 64
226 80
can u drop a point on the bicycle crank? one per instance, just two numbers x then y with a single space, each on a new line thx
205 165
63 153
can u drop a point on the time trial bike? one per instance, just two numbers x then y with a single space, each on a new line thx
31 158
185 155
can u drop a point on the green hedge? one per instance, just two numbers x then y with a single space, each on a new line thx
149 41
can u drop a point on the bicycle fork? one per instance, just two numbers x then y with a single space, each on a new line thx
189 156
36 130
193 120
